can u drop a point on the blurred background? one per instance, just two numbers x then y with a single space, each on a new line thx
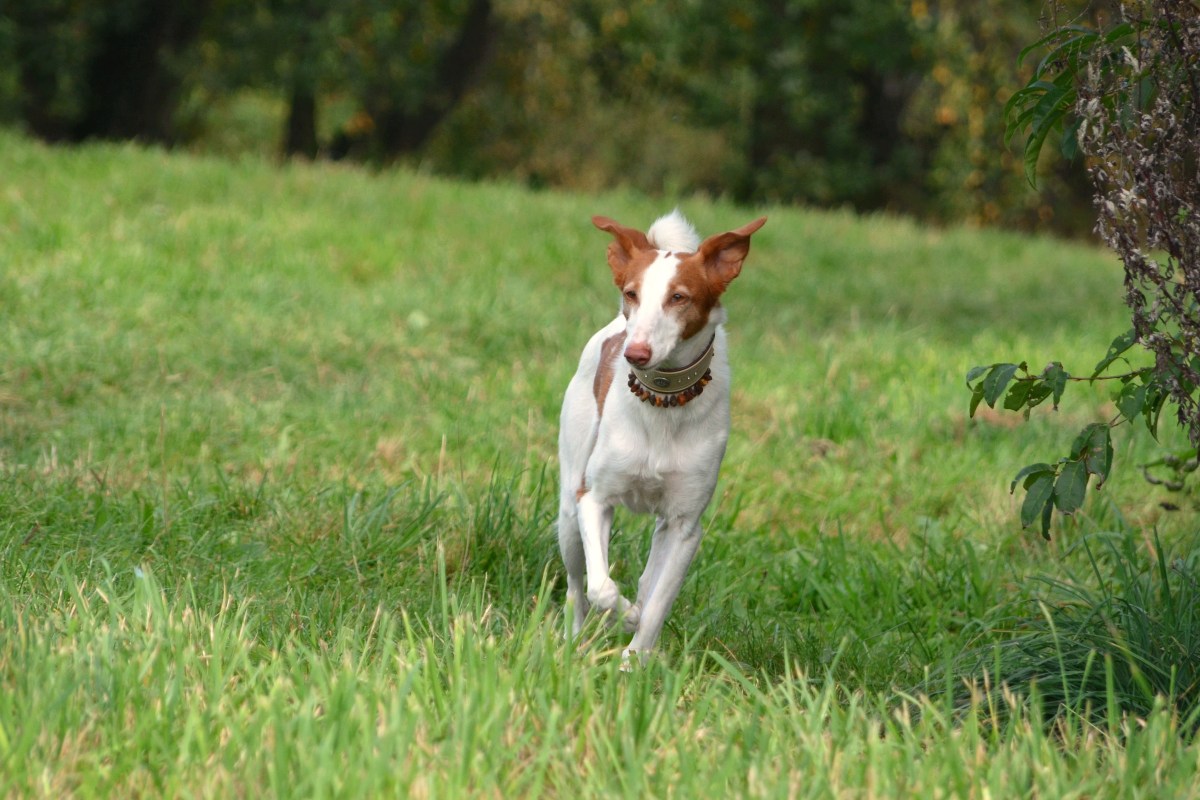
876 105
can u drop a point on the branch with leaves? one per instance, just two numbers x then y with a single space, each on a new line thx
1127 96
1063 484
1046 104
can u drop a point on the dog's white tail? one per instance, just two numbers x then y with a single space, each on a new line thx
673 232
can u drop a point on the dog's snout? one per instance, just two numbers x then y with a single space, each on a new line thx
638 354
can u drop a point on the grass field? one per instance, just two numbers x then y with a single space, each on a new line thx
277 490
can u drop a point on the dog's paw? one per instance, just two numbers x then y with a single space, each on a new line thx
606 596
633 615
631 660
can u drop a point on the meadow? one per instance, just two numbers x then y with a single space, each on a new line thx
277 490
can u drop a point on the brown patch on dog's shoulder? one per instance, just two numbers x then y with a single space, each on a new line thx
604 371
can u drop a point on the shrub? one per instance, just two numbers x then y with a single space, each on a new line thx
1129 96
1114 643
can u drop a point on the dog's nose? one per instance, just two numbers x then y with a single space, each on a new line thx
638 354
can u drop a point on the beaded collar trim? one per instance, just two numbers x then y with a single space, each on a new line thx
669 388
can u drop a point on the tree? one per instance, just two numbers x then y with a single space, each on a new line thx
1127 95
814 93
305 66
404 64
404 123
93 69
287 47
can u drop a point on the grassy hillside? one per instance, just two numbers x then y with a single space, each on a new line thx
277 489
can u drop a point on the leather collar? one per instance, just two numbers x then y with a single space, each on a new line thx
674 381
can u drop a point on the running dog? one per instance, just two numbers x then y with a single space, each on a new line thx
653 441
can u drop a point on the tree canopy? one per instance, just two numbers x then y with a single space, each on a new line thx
887 104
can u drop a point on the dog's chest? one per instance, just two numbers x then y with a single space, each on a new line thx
649 468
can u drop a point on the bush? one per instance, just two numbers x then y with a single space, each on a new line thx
1114 643
1127 95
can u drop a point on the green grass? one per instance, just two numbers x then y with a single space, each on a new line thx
1122 642
277 491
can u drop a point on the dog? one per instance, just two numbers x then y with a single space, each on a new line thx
652 442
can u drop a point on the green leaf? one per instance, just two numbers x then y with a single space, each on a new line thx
1047 115
976 398
1047 512
1029 473
1042 42
1037 394
1049 98
996 381
1098 455
1131 400
1069 146
1018 111
1070 487
1067 49
1018 394
1037 497
1056 378
975 372
1079 446
1119 345
1058 33
1152 410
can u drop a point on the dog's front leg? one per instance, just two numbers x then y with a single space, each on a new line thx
595 527
678 546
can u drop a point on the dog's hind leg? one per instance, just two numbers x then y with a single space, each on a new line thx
654 562
570 545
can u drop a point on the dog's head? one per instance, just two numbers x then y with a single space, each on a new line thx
669 296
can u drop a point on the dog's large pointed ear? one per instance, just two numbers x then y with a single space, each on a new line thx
724 253
626 242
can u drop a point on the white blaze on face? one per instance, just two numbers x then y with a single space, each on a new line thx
650 323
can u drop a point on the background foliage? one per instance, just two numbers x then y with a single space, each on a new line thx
888 104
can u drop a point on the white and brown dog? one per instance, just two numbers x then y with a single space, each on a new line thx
652 443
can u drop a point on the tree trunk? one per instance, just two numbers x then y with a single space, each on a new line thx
106 71
401 131
301 136
39 69
131 88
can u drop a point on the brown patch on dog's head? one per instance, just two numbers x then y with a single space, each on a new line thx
702 277
626 246
629 253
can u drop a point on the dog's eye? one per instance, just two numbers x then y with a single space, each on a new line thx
677 298
631 295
